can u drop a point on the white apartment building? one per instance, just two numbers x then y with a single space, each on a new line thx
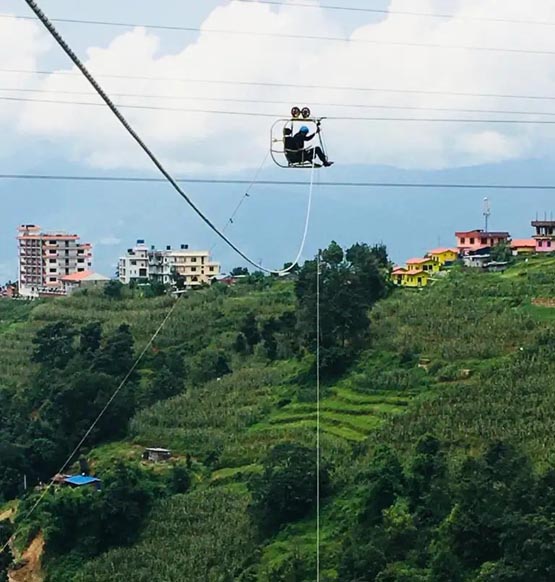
134 266
196 267
46 257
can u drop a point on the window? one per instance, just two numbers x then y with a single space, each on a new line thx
79 270
52 261
193 269
484 241
80 260
549 243
193 259
52 279
463 240
142 273
472 241
53 271
211 269
133 262
540 244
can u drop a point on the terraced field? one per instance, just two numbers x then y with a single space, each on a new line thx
344 413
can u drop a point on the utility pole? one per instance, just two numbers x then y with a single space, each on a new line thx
487 213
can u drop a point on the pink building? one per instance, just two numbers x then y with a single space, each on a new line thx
45 257
474 240
545 235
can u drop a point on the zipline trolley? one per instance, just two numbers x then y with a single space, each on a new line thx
282 132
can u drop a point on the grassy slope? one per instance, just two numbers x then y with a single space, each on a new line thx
479 385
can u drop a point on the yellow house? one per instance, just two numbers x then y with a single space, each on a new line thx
415 278
444 256
426 264
523 246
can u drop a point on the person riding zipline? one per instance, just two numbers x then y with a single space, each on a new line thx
295 150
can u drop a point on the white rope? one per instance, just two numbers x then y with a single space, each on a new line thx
114 109
318 418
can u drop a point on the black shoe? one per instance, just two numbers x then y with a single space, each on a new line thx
328 164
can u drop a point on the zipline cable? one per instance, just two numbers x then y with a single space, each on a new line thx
295 86
337 184
99 416
277 115
289 36
69 52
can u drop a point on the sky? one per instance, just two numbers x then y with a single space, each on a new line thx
177 70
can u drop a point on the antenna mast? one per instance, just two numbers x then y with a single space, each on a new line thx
487 213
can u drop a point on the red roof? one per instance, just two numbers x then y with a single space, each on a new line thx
523 242
480 233
441 251
399 271
77 276
417 261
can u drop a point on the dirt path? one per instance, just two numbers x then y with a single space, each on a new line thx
31 571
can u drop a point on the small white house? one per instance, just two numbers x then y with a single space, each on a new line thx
476 261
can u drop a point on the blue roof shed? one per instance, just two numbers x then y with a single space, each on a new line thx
80 480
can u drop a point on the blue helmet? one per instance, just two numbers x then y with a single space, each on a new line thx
304 129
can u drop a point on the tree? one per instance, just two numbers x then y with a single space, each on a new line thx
240 344
179 281
210 364
239 271
501 252
90 338
291 269
54 345
180 479
165 385
269 329
428 482
156 289
350 284
113 289
116 357
249 328
286 490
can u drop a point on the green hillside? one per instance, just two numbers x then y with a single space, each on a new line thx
443 377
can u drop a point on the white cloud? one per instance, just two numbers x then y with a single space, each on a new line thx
196 142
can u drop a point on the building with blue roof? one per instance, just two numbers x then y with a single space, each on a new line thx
82 480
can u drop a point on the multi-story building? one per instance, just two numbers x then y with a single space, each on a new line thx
545 235
134 266
475 240
46 257
142 263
